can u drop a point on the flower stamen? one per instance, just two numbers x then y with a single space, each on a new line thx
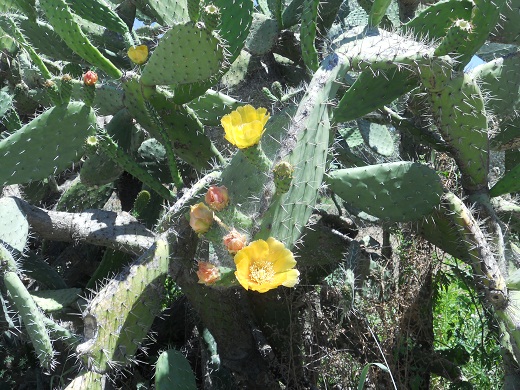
262 272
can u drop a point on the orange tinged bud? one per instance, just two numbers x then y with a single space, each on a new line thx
201 218
217 198
208 273
90 78
234 241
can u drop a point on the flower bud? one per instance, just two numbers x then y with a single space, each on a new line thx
217 198
234 241
208 273
201 218
90 78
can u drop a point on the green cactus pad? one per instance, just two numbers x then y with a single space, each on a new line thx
56 300
370 92
507 30
59 15
185 132
166 12
308 34
458 110
509 183
41 36
236 17
400 191
377 12
185 54
80 197
87 380
500 78
306 150
173 372
151 155
432 22
377 137
32 317
47 145
99 169
97 11
118 319
263 34
14 228
212 106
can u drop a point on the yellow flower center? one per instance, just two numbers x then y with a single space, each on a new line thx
261 272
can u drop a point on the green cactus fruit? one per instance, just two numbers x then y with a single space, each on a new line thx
377 137
47 145
173 372
56 300
62 20
210 15
194 53
140 203
400 191
509 183
79 197
283 175
32 318
14 228
263 35
308 34
118 319
212 106
87 380
66 88
99 169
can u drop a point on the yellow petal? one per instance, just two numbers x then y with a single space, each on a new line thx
292 277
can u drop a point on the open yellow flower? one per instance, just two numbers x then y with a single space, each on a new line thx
265 265
138 54
244 126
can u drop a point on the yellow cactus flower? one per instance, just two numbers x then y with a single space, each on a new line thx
265 265
244 126
138 54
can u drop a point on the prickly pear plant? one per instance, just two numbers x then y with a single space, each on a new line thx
233 159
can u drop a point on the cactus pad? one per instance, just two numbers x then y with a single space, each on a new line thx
400 191
47 145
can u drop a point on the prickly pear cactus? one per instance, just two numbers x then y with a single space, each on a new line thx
225 155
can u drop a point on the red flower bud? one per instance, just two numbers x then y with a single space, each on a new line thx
90 78
217 198
208 273
234 241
